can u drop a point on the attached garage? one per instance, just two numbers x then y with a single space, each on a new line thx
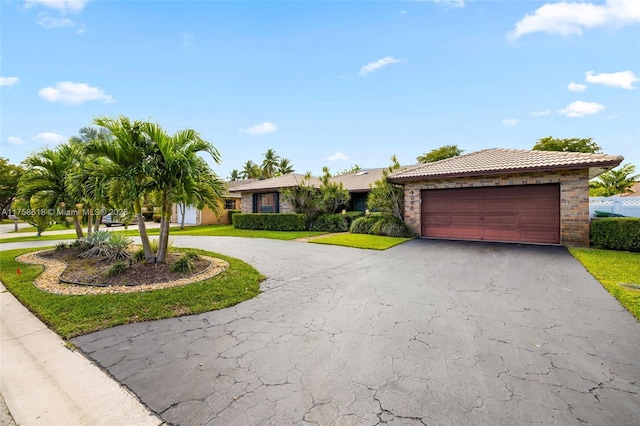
519 213
503 195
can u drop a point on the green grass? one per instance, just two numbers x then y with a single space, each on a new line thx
363 241
613 268
54 227
70 316
210 230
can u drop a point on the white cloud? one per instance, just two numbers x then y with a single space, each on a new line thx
48 137
14 140
622 79
50 23
68 92
450 3
60 5
370 67
260 129
541 113
580 109
8 81
577 87
510 122
338 156
566 18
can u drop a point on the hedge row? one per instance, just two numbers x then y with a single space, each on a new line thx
270 221
621 233
381 224
334 222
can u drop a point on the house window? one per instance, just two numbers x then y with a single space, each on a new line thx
230 204
266 203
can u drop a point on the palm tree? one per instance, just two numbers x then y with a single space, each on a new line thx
207 189
235 175
285 167
614 182
127 167
250 170
269 164
177 169
44 183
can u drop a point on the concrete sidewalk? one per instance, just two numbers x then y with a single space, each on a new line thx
45 383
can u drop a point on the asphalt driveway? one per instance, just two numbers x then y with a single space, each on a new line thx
428 332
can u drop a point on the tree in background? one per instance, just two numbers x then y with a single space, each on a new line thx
353 169
250 170
441 153
550 143
9 177
235 175
269 164
272 165
614 182
284 167
386 196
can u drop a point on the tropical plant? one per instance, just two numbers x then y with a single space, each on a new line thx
9 177
353 169
550 143
99 241
614 182
116 269
333 195
118 246
269 164
386 196
441 153
304 198
235 175
285 167
250 170
183 264
43 186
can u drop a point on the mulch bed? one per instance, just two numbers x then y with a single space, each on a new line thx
94 271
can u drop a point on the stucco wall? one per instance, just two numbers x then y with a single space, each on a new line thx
574 198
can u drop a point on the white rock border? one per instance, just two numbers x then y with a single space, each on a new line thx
49 280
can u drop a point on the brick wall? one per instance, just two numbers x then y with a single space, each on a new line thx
246 204
574 198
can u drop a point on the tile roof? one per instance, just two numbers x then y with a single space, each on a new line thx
275 183
634 191
233 187
508 161
359 181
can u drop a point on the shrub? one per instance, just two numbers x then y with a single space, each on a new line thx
117 269
183 264
381 224
231 213
138 256
330 223
61 246
191 255
351 216
98 242
156 217
270 221
155 244
621 233
148 216
118 246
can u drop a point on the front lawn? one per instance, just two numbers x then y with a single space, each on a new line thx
614 269
363 241
70 316
54 227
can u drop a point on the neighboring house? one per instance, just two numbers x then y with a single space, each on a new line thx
206 216
264 196
633 192
504 195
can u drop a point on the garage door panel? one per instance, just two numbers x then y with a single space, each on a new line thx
519 213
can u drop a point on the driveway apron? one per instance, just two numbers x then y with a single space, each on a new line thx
428 332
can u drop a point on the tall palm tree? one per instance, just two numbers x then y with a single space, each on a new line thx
250 170
235 175
177 169
269 164
127 166
285 167
44 183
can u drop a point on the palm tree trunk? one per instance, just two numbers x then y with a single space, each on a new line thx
142 228
78 226
163 238
90 222
183 208
96 223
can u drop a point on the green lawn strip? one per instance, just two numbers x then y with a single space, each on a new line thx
70 316
363 241
209 230
613 268
54 227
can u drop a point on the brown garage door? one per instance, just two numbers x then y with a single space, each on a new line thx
527 213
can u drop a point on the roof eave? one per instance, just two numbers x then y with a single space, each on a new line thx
594 170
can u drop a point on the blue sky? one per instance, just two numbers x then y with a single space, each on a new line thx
325 83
